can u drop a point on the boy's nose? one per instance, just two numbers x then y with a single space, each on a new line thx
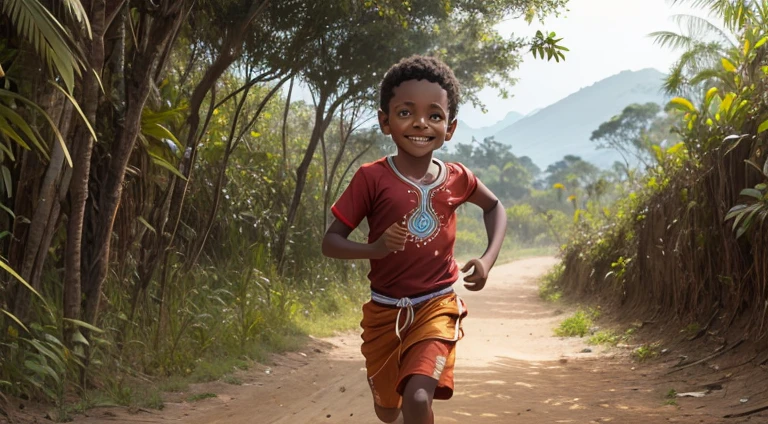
419 122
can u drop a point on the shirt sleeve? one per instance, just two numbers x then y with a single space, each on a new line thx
355 202
464 184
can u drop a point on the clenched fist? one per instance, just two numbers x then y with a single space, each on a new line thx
476 280
392 240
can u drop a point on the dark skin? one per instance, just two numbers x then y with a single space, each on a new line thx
418 122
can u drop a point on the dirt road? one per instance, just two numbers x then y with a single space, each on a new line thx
510 370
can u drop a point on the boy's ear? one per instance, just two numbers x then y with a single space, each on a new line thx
451 129
384 122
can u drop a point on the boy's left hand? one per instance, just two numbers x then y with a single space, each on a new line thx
476 280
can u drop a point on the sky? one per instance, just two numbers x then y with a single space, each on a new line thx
605 37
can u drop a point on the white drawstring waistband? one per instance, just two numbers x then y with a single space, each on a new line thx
406 303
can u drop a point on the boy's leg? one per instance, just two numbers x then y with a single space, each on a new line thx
388 415
417 400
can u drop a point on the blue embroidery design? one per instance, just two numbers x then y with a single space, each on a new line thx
423 224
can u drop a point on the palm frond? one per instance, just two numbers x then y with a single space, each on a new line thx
696 3
672 40
702 29
76 10
733 13
707 75
675 80
53 43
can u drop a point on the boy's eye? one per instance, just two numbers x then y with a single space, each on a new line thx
436 117
404 113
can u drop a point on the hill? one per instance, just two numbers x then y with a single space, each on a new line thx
565 126
465 132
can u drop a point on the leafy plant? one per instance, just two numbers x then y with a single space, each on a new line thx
646 352
201 396
577 325
548 288
745 215
605 338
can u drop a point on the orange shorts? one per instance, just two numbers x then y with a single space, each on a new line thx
428 348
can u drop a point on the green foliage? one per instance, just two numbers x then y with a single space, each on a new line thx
578 324
200 396
605 338
51 40
184 288
509 177
745 215
174 384
636 134
572 171
548 288
691 329
671 397
646 352
230 379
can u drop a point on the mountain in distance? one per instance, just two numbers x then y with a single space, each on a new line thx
565 127
464 132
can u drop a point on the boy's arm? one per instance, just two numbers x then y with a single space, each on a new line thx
336 245
495 218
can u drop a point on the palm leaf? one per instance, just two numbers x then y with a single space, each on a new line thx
50 39
701 29
77 11
13 273
672 40
13 96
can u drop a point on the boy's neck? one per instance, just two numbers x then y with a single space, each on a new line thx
419 169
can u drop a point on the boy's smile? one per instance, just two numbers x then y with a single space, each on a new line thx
417 118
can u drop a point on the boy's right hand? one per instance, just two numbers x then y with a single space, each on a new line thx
393 239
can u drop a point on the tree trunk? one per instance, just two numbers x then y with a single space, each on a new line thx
81 159
285 127
322 120
230 51
161 30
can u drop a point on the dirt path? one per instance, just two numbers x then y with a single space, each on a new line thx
510 370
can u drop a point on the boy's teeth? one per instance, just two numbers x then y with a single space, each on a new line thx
419 138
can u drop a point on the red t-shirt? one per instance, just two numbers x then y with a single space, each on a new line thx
379 192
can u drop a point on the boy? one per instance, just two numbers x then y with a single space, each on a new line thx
413 321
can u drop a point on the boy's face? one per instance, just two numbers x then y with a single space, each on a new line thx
417 118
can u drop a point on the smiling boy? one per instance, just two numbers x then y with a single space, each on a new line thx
413 320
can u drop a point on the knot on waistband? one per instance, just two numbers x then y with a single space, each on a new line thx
404 302
407 304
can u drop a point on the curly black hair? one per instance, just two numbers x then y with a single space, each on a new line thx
419 67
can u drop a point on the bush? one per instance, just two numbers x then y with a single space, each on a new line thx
549 289
577 325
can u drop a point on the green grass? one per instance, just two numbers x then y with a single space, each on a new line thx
150 399
231 379
610 337
646 352
215 370
346 317
691 329
579 323
548 288
605 338
201 396
671 397
174 384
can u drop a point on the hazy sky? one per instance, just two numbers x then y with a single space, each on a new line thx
605 37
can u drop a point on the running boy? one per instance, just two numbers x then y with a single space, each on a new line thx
413 321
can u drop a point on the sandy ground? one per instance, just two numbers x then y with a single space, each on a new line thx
510 369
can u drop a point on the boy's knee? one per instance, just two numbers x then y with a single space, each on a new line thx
387 415
419 398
